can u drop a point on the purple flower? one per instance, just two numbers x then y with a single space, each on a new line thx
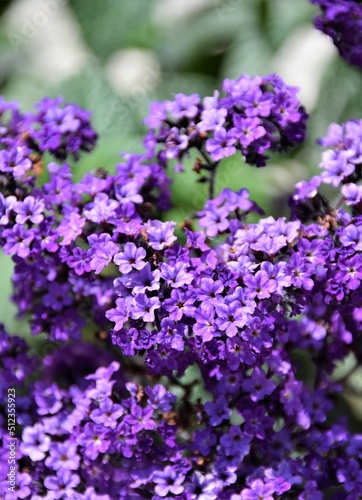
270 245
17 241
212 119
352 193
247 130
63 484
235 442
48 399
180 303
204 487
15 161
238 352
258 385
218 411
70 228
157 115
222 145
130 258
140 419
101 209
22 489
300 272
256 422
230 317
159 398
176 276
119 315
351 235
255 102
35 443
168 481
102 251
62 130
160 234
304 189
175 144
143 280
336 166
184 106
257 491
94 440
203 441
260 285
311 492
58 296
213 219
204 325
107 414
144 307
30 209
6 205
63 456
342 22
172 335
209 291
79 261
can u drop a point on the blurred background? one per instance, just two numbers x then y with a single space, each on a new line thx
116 56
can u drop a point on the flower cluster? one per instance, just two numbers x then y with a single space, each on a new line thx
342 21
232 303
62 131
256 115
40 225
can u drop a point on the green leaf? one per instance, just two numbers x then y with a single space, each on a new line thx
106 154
7 308
285 17
90 90
202 40
110 25
25 88
251 51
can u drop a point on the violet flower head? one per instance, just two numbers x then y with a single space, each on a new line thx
62 130
341 20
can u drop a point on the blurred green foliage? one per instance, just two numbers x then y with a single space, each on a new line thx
195 49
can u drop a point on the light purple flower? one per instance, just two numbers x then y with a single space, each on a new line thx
168 481
101 209
222 145
176 276
63 456
140 418
30 209
93 440
6 205
130 258
184 106
35 443
247 130
17 241
257 491
160 234
71 227
352 193
107 414
63 484
144 307
212 119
